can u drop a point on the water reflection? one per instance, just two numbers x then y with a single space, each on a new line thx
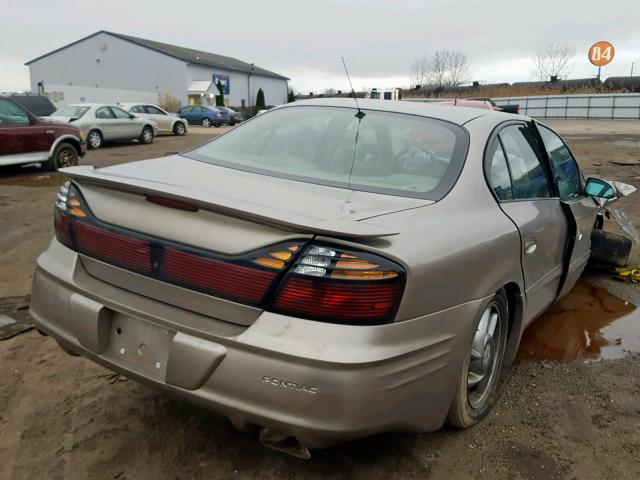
589 323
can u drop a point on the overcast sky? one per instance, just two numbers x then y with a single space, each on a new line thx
304 39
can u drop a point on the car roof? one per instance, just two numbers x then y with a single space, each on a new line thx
458 115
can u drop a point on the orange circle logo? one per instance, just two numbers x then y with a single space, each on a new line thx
601 53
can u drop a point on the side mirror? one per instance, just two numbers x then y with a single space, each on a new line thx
132 116
596 187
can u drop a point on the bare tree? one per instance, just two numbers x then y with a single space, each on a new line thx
420 72
458 67
552 60
439 68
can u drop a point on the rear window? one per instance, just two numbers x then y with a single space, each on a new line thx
36 104
71 111
385 152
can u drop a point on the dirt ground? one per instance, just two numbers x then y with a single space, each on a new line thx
65 417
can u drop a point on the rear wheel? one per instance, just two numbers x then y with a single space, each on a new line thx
146 136
94 139
179 129
65 155
476 389
206 122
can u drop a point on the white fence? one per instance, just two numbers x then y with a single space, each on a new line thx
610 106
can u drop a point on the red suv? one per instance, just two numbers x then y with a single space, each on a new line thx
25 138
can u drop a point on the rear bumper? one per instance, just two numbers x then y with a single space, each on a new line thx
318 382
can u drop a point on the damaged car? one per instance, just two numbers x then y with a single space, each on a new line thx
325 271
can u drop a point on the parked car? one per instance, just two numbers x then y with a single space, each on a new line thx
101 123
512 108
25 138
234 117
39 105
168 123
204 115
363 269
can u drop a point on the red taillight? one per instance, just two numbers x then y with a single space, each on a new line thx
245 278
339 301
215 276
331 284
111 247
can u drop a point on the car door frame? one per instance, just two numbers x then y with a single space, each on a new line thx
578 210
542 157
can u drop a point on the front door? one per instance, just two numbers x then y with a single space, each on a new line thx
21 139
580 208
109 125
165 124
128 127
521 183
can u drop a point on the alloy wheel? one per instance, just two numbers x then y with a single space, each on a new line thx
485 356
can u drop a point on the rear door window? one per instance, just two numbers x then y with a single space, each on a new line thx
499 176
527 172
564 167
104 113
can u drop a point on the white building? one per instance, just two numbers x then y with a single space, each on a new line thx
109 67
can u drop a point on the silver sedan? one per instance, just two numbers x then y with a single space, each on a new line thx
168 123
324 271
101 123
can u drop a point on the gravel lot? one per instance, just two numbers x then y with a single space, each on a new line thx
65 417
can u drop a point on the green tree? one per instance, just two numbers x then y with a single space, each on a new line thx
260 105
220 98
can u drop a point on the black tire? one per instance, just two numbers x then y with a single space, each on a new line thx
466 409
231 124
206 122
609 250
179 129
65 155
94 139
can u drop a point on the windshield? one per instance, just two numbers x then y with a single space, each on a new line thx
70 111
384 152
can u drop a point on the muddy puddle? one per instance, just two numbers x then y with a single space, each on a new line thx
589 324
53 179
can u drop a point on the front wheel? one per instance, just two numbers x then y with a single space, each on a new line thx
206 122
65 155
179 129
476 389
146 136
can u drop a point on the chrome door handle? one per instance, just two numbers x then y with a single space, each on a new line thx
530 246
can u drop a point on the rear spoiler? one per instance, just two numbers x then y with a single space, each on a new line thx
230 206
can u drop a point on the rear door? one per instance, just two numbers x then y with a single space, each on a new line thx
520 180
108 123
580 208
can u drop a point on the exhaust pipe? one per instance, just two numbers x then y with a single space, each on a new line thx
284 443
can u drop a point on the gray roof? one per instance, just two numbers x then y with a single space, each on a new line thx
189 55
457 115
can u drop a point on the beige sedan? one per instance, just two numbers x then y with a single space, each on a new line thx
168 123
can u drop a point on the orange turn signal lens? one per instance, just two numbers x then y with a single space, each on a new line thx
281 254
74 202
77 212
293 247
356 264
363 274
347 255
270 262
